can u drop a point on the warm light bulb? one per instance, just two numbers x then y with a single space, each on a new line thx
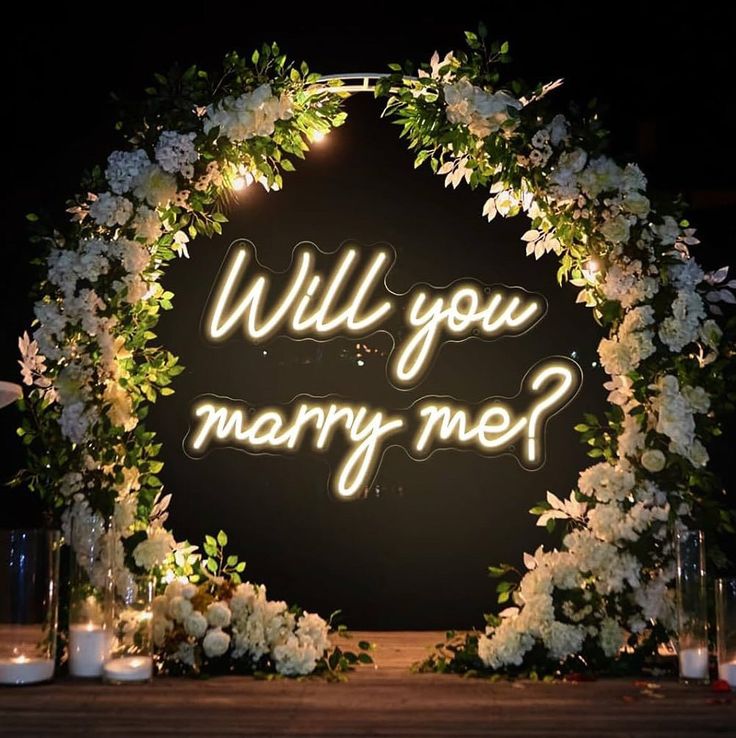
592 266
318 137
239 183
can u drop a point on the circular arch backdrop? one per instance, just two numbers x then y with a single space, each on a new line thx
93 366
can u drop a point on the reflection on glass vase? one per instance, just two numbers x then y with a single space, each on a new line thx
29 586
692 606
726 624
131 655
90 547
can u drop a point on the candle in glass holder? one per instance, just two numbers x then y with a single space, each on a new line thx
26 670
89 646
694 663
128 669
727 672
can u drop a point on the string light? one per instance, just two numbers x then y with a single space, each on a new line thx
317 137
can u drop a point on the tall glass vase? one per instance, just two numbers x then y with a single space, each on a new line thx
89 571
726 624
692 608
29 591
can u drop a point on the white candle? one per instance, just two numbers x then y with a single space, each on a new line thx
88 649
25 670
129 669
727 671
694 663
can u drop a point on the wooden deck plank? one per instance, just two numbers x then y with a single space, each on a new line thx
384 701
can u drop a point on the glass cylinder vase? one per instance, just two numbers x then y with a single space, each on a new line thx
692 607
89 572
726 629
131 656
29 586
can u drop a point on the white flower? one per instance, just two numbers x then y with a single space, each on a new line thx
176 152
683 326
75 421
156 187
123 167
251 114
119 405
215 643
637 204
653 460
631 438
626 283
698 398
620 390
295 657
606 482
710 334
147 225
180 244
563 640
668 231
110 210
506 646
311 627
611 637
195 624
218 615
154 549
616 230
180 608
482 112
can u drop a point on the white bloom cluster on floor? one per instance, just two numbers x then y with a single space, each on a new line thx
246 624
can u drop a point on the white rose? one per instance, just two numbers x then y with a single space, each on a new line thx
616 230
215 643
653 460
155 186
637 204
195 624
218 615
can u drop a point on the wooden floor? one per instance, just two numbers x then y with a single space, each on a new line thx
382 701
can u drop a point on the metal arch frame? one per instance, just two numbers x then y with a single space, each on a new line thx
353 82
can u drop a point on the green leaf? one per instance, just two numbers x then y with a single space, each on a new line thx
222 538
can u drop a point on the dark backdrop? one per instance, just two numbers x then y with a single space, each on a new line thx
413 554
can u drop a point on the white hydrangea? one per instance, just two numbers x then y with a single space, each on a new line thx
631 438
295 656
683 326
616 229
218 615
631 345
602 174
606 482
625 282
180 608
563 640
668 231
611 637
110 210
674 415
506 645
75 421
175 152
124 167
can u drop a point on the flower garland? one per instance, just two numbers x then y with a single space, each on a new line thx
93 366
670 366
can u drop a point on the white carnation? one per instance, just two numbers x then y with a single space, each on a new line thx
195 624
215 643
218 615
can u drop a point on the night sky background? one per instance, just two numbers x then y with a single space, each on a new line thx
414 554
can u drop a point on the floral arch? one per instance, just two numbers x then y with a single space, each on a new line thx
93 365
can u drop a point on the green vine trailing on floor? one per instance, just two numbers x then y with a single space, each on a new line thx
93 365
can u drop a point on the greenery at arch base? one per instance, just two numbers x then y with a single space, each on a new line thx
93 364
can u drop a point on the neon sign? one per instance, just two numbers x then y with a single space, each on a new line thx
351 299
